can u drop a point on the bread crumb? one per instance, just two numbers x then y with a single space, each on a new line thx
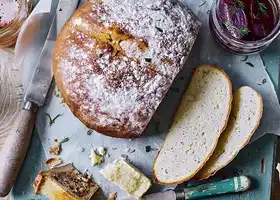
112 196
53 162
101 151
278 169
55 149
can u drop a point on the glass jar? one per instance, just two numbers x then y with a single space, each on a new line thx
227 38
12 15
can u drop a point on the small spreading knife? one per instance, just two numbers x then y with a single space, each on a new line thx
16 145
232 185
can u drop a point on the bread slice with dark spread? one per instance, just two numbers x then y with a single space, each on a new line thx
64 183
199 121
245 118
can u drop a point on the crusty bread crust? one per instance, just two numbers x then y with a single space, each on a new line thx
224 126
101 66
206 174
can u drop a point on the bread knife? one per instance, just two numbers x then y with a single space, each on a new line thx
16 145
232 185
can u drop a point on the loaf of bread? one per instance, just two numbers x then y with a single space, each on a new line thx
245 118
199 121
115 60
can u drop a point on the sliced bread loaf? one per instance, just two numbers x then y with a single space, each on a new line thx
198 123
244 119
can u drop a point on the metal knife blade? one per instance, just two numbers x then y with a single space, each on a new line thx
42 77
16 144
167 195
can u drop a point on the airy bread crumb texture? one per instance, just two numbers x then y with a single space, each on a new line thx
198 123
244 119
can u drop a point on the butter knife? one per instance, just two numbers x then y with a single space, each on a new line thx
16 145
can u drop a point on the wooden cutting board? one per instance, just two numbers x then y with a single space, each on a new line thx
10 93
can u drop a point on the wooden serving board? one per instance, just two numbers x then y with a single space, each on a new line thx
10 93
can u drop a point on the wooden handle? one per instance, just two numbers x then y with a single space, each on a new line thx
14 150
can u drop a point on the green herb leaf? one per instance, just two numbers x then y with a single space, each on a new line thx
244 31
262 8
148 60
110 37
250 64
89 132
202 4
64 140
100 54
239 4
245 59
52 121
149 149
159 29
227 24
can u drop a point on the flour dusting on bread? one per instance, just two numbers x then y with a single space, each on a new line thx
115 60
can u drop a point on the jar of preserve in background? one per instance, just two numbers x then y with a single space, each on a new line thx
245 26
12 15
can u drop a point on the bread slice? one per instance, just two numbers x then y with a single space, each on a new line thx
245 118
199 121
64 183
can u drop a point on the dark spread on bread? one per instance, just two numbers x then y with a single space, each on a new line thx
75 182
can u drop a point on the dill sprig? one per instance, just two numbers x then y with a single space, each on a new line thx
262 8
239 3
52 121
244 31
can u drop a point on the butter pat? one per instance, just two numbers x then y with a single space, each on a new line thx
127 177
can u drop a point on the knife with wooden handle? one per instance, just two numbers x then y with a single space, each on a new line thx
16 145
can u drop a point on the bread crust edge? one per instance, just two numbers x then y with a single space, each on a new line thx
224 126
212 173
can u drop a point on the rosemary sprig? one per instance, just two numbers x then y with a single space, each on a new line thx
202 4
250 64
110 37
244 31
245 59
159 29
149 60
64 140
52 121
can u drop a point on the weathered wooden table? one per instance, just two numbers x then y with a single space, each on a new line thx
257 160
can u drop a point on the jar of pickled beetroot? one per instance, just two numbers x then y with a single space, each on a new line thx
12 15
245 26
